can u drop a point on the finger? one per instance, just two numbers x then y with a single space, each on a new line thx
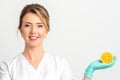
113 62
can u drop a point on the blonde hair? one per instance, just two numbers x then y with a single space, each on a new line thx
37 9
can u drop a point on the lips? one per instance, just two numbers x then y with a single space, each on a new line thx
33 37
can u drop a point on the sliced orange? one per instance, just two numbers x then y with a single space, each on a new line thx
106 57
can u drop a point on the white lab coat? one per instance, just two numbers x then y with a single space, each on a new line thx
50 68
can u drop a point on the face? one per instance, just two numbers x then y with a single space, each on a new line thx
33 30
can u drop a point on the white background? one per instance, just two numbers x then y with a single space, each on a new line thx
80 31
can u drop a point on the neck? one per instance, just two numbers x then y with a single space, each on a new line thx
33 52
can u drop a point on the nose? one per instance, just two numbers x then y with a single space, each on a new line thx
33 30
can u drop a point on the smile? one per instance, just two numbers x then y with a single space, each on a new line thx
33 37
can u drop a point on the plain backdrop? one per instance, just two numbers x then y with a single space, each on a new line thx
81 30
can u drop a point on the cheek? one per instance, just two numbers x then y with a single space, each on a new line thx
24 33
43 33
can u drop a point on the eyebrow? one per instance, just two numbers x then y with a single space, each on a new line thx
36 23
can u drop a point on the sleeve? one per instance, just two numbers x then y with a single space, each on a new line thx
67 73
4 74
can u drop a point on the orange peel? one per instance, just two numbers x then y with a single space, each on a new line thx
106 57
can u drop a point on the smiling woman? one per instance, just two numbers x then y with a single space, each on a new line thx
34 63
33 30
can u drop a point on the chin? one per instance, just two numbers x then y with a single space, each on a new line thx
33 45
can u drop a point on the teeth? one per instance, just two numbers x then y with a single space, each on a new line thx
33 37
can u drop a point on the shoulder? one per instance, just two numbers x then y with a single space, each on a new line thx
54 57
58 60
7 65
10 61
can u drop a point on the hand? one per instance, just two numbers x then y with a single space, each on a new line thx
96 65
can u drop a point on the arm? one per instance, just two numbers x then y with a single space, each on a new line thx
96 65
86 78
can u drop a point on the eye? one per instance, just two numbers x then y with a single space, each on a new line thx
27 25
40 26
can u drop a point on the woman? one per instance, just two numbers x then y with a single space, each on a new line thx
34 63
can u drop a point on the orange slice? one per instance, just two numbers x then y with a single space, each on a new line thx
106 57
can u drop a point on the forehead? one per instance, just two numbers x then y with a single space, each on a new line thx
31 17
